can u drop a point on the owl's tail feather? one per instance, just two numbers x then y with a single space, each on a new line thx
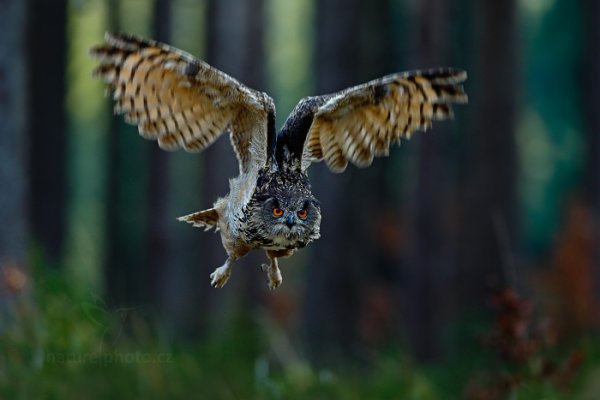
206 219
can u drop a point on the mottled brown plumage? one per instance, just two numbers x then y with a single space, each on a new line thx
184 103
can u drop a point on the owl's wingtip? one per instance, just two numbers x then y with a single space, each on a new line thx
126 41
113 38
452 75
461 74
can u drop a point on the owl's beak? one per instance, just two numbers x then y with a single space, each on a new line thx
290 221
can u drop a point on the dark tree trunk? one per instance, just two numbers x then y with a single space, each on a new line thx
158 186
489 219
177 287
13 139
126 261
591 101
112 284
353 46
434 201
331 296
46 46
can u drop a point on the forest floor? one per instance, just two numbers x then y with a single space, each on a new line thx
67 346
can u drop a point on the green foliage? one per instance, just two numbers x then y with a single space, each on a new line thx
70 345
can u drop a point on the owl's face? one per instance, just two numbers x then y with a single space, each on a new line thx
283 213
291 220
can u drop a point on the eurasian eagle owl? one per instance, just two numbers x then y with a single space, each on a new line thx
185 103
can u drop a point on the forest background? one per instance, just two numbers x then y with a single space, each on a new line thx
465 265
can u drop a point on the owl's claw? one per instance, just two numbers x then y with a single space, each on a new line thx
220 276
273 274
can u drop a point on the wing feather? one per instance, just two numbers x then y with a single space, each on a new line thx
360 123
182 102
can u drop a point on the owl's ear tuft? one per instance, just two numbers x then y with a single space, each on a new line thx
314 202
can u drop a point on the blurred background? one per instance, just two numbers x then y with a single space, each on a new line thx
465 265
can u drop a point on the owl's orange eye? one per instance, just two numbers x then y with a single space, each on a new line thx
302 214
278 212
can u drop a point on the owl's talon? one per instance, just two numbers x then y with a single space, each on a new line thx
220 276
274 283
275 279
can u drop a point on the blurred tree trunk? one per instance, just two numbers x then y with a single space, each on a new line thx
375 268
46 44
158 243
331 298
591 101
177 286
434 203
353 42
126 261
235 46
13 139
490 225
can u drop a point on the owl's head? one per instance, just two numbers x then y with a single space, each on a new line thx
284 212
291 220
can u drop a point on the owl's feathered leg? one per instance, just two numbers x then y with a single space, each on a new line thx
221 275
235 251
273 271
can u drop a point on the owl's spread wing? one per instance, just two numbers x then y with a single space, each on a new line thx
183 102
359 123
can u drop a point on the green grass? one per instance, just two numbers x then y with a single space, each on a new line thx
67 346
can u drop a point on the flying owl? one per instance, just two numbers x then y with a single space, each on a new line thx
183 102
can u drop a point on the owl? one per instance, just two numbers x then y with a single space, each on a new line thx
183 102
